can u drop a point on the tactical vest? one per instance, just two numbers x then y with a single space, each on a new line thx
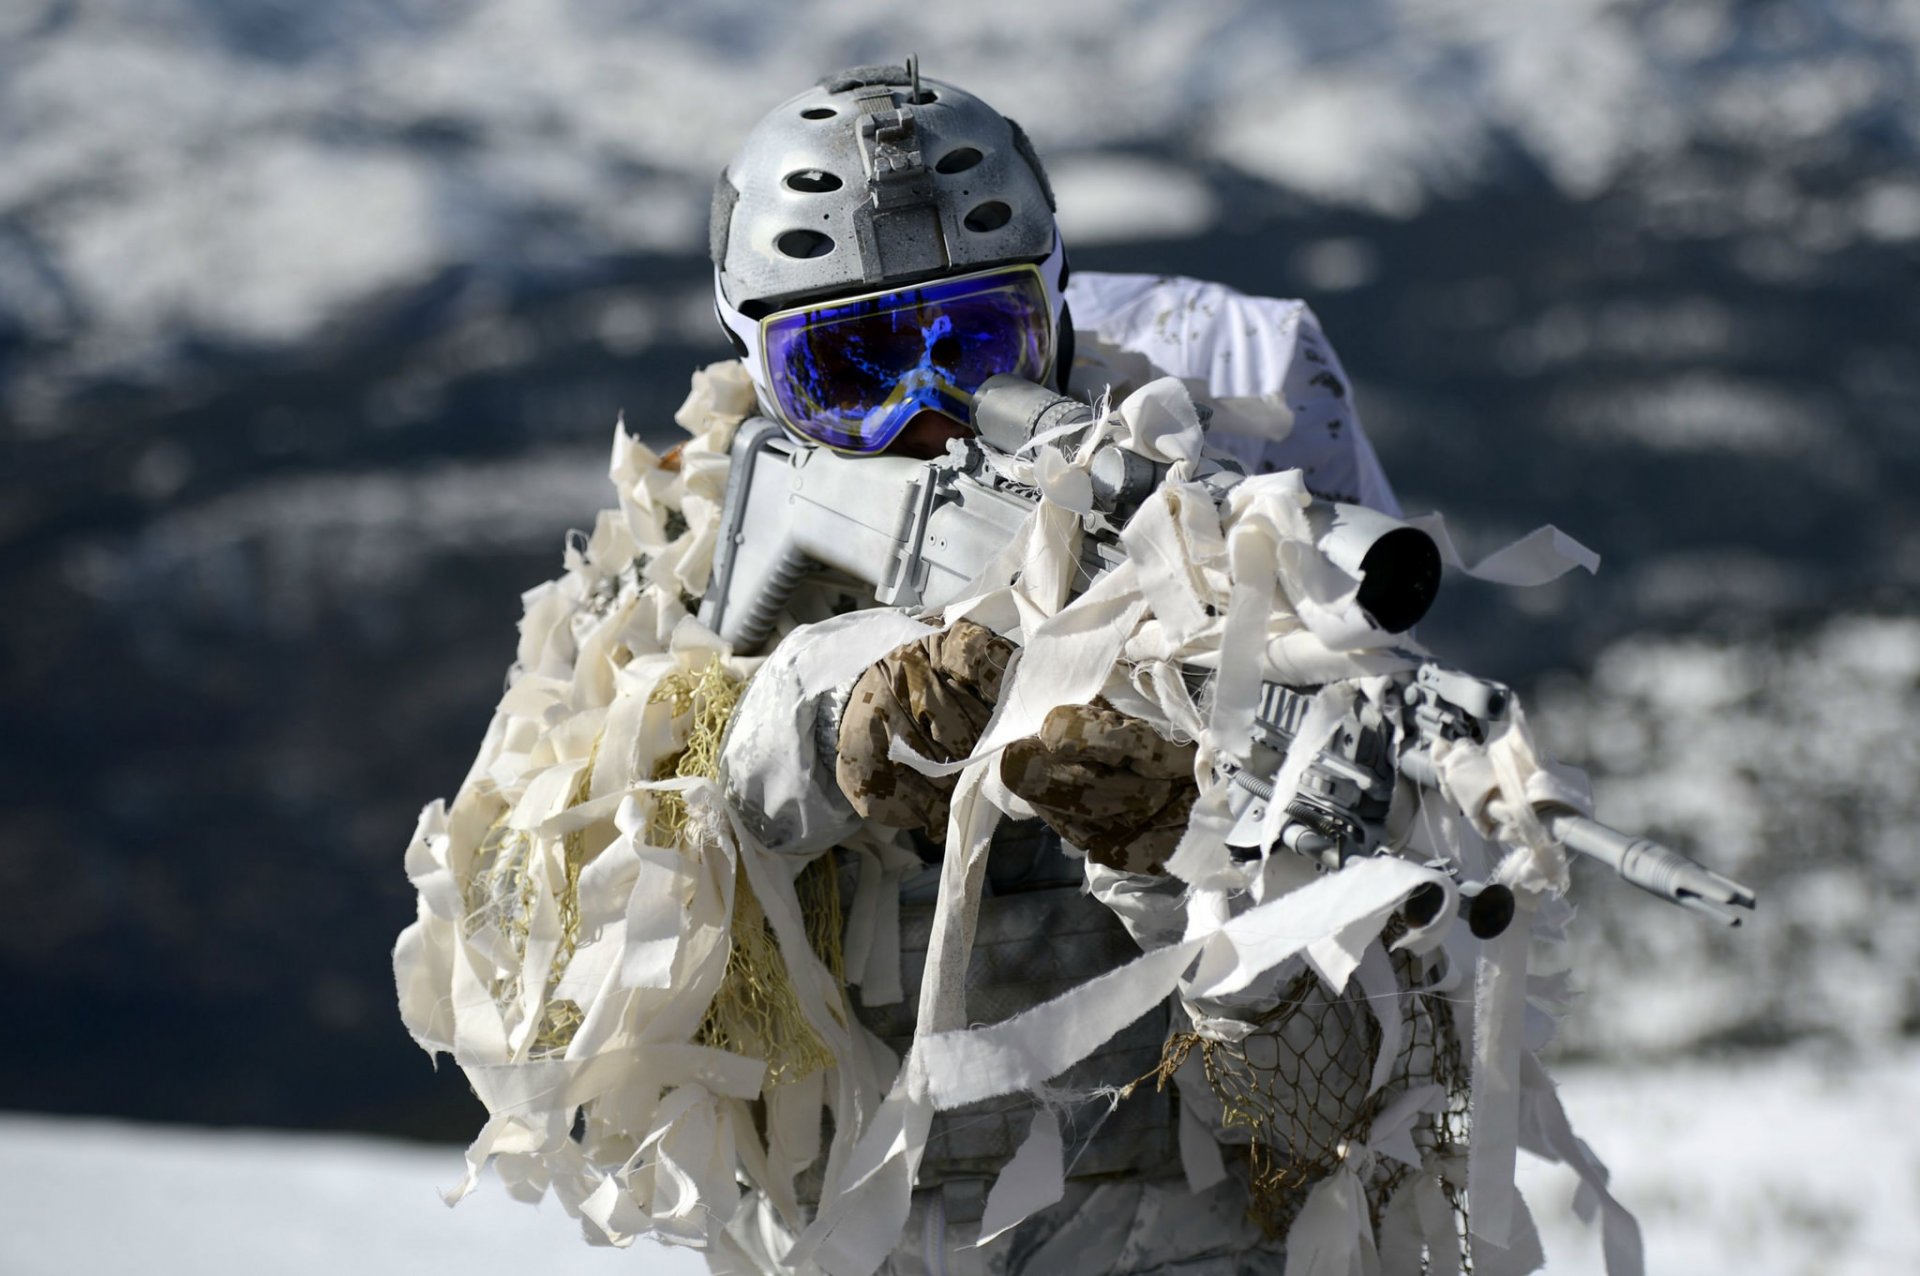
1039 934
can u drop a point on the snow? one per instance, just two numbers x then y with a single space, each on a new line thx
1105 197
1772 1166
88 1198
1788 1164
1701 412
1786 760
223 168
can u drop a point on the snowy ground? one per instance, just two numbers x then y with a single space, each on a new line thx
1770 1167
87 1198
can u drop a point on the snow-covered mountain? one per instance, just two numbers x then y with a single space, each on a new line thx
247 171
315 320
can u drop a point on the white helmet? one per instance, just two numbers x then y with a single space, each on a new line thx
871 180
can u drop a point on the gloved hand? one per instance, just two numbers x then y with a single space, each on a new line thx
1106 782
936 695
1102 780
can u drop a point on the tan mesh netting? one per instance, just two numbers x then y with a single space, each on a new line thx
1297 1084
706 699
755 1012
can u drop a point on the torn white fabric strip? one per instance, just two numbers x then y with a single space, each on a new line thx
1382 992
1392 1133
1551 1135
1200 1159
862 916
656 916
1401 1241
1323 717
1437 1225
1544 554
855 1230
1159 421
1499 1022
1035 1178
1261 938
1250 550
1159 554
1332 1235
1521 1255
1021 1053
943 983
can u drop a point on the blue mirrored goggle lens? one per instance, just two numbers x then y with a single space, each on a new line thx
852 374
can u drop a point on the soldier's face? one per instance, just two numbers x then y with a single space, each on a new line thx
926 436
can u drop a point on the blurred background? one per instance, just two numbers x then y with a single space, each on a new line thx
315 321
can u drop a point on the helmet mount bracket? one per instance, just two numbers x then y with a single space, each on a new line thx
898 227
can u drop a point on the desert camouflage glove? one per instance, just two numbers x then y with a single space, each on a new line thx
936 695
1106 782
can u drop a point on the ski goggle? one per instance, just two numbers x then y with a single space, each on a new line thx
852 372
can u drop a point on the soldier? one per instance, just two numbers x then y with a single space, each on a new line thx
714 933
882 245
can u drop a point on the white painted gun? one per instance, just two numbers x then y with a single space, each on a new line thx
921 531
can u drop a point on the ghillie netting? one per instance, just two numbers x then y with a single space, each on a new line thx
1297 1087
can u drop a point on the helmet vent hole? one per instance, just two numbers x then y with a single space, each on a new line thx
804 244
813 181
958 160
991 215
818 113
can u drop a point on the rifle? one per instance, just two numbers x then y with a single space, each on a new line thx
920 531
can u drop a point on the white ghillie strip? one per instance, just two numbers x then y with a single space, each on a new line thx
1332 1236
1548 1134
1034 1179
1499 1017
1542 555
